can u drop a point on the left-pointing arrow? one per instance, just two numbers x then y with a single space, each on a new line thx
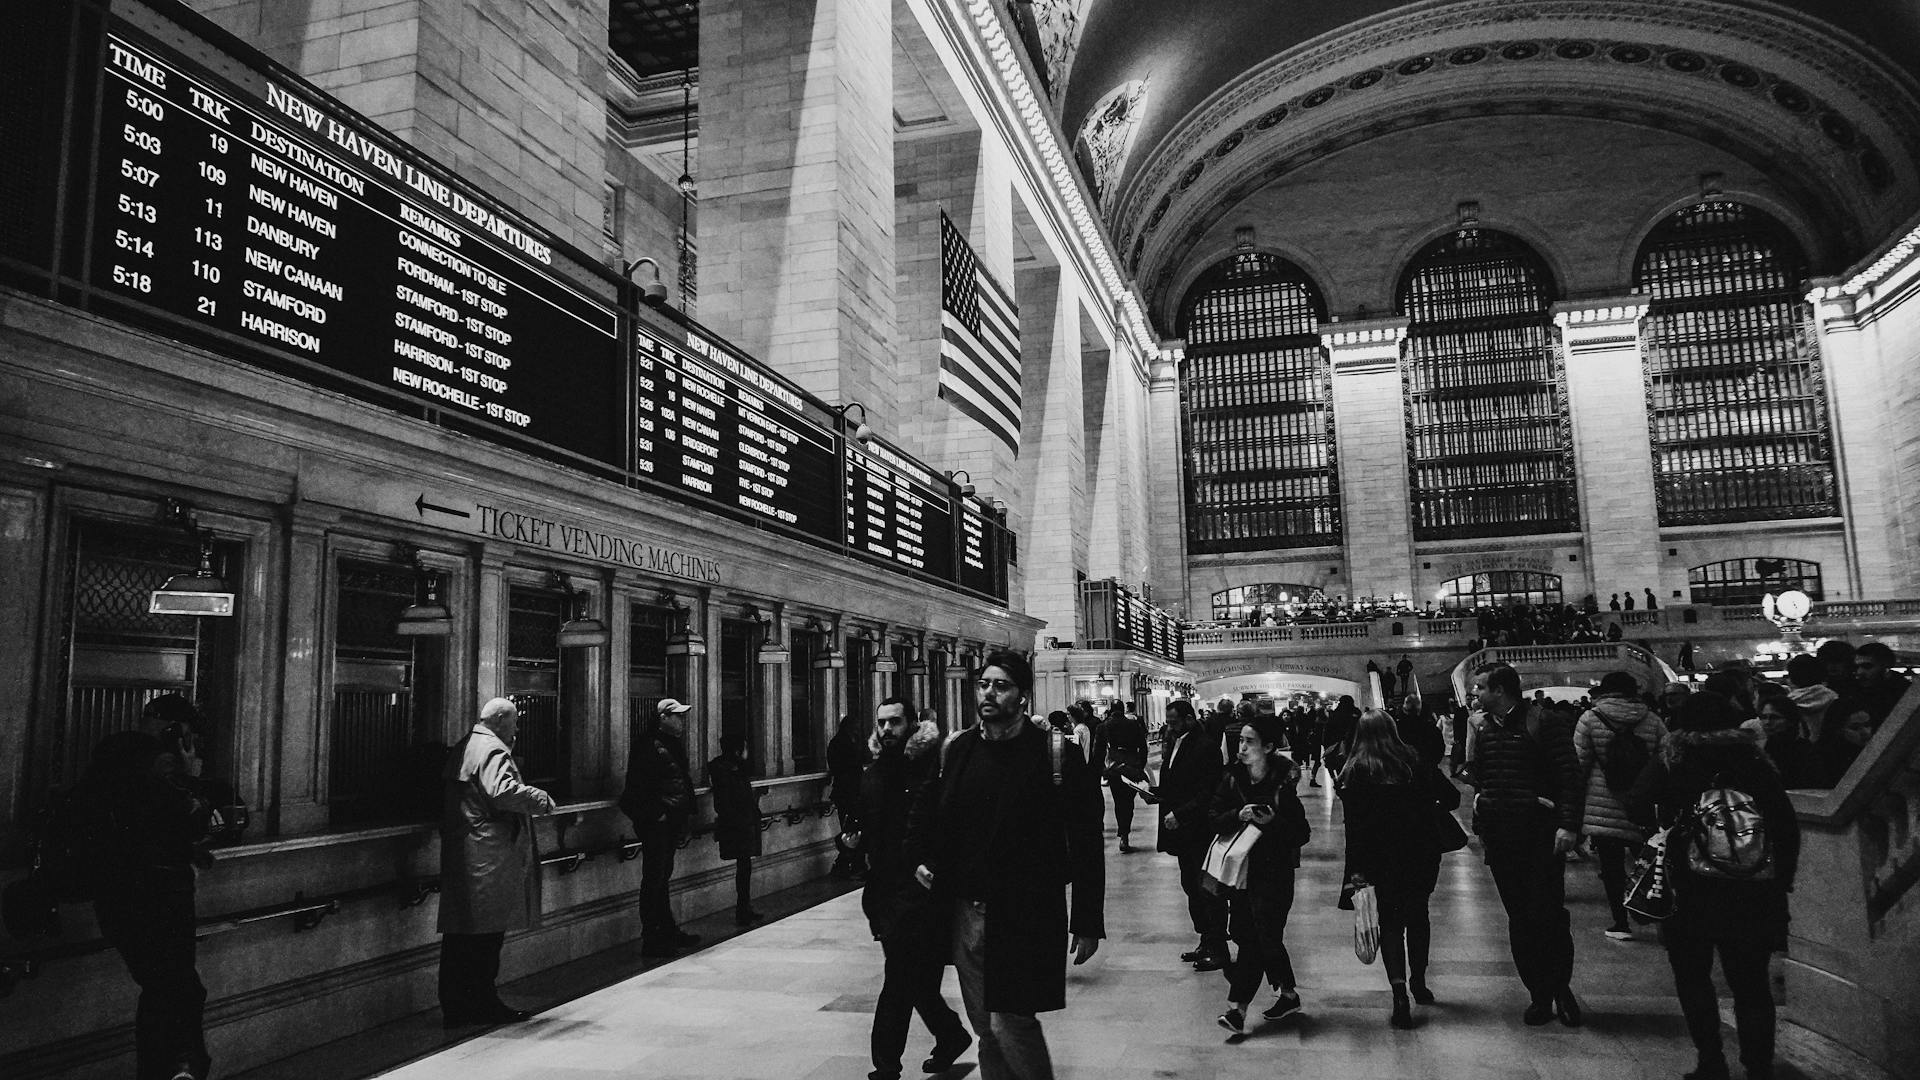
422 505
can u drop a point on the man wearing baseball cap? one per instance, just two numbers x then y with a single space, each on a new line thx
659 801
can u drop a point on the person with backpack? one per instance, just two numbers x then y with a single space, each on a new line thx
1259 790
658 799
1124 736
1733 849
1614 741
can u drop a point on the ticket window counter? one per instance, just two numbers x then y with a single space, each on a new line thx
647 665
537 684
386 734
118 656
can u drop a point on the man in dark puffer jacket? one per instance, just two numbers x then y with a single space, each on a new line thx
1528 815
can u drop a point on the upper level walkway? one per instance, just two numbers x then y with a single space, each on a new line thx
793 1000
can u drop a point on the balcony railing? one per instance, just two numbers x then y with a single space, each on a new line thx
1382 628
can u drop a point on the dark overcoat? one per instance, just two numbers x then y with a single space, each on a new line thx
736 808
1188 774
1043 835
895 904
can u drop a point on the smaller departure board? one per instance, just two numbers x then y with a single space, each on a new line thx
898 511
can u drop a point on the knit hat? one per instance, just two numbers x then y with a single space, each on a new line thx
1618 684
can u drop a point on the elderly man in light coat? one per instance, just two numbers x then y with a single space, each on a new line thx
487 867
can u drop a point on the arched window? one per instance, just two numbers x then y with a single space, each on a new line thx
1497 588
1258 410
1746 581
1737 411
1489 446
1250 604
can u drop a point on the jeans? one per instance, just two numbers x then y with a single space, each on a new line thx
1012 1045
1744 963
911 984
152 928
469 964
1532 884
1259 927
659 843
1208 912
1614 856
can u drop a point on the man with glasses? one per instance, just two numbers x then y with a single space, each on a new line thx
986 837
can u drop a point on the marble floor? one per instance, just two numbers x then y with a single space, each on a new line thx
793 999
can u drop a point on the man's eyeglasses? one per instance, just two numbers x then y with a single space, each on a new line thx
996 686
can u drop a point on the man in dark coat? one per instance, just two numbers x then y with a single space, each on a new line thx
905 756
659 801
988 836
1122 738
1188 774
1528 815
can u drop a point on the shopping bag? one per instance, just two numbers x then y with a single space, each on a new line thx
1650 896
1225 870
1366 924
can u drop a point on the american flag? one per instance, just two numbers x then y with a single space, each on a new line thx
979 340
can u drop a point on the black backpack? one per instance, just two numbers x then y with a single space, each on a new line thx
1625 758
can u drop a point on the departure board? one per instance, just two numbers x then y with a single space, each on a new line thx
710 425
979 553
282 220
897 510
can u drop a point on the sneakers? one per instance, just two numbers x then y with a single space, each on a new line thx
1620 932
1283 1006
1233 1020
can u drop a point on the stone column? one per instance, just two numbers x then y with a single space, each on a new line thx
1857 401
796 191
1370 434
1166 483
1613 461
1053 530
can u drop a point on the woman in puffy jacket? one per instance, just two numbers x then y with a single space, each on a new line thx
1617 713
1393 800
1258 789
1743 920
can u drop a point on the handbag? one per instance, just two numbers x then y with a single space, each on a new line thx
1366 924
1650 896
1447 833
1225 870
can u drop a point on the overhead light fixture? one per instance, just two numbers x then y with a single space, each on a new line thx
653 292
954 477
580 631
862 431
426 616
771 653
1788 611
684 641
201 592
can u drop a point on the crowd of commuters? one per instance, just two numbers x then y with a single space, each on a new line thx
983 848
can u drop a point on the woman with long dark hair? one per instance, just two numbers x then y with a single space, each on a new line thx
1393 801
1258 789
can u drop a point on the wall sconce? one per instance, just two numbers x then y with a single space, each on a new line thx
653 292
771 652
966 488
918 665
580 631
685 641
862 431
200 592
830 658
426 616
